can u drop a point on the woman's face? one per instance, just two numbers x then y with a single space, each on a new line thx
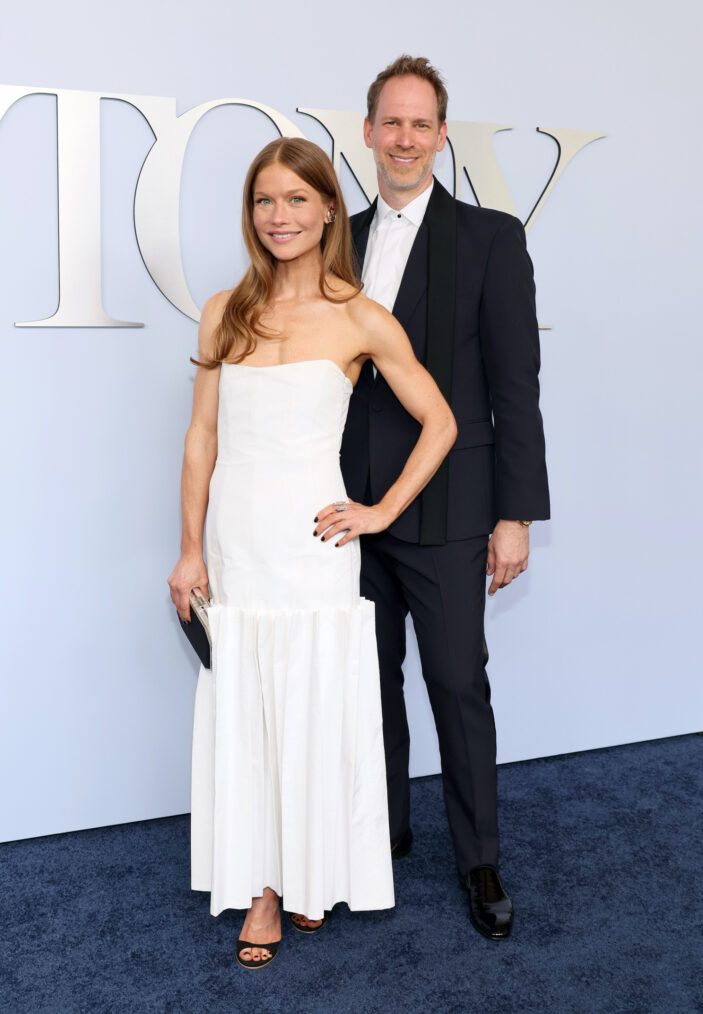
289 215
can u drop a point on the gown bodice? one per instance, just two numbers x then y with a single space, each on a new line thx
279 434
292 410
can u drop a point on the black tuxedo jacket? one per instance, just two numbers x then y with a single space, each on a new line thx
467 303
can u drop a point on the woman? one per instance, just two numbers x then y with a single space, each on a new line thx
289 793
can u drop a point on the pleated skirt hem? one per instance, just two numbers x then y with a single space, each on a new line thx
288 786
363 905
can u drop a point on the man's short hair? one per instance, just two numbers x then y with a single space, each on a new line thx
420 66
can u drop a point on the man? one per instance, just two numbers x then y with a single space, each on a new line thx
459 280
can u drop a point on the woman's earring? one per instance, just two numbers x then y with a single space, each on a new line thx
331 217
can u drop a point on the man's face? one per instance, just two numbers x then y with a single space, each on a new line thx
406 134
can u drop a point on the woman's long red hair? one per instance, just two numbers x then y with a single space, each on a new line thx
236 334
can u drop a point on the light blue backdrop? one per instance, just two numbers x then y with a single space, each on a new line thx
598 643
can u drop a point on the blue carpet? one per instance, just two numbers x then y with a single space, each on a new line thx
599 851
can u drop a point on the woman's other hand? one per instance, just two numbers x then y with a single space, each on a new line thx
352 519
189 573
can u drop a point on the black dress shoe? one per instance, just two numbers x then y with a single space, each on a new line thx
490 908
402 846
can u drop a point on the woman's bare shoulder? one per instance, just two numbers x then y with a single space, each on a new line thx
362 311
215 306
338 288
370 315
210 317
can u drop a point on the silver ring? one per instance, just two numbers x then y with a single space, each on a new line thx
336 502
343 508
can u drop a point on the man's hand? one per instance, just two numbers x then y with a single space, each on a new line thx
508 550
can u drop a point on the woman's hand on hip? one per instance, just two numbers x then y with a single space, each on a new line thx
189 573
350 519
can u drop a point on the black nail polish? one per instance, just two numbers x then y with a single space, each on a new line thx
315 534
322 539
315 519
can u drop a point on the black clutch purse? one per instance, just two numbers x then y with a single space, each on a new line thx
197 630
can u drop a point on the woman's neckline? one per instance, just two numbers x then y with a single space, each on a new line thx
295 362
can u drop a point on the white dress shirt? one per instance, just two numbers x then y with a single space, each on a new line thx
391 236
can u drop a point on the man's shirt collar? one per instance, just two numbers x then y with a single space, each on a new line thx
414 211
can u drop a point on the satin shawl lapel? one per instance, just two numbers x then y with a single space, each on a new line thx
414 281
431 266
440 219
360 232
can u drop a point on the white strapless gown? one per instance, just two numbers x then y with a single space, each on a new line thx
288 787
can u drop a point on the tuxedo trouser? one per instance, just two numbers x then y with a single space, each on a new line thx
444 590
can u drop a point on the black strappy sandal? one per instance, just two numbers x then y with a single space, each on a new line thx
243 945
307 929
